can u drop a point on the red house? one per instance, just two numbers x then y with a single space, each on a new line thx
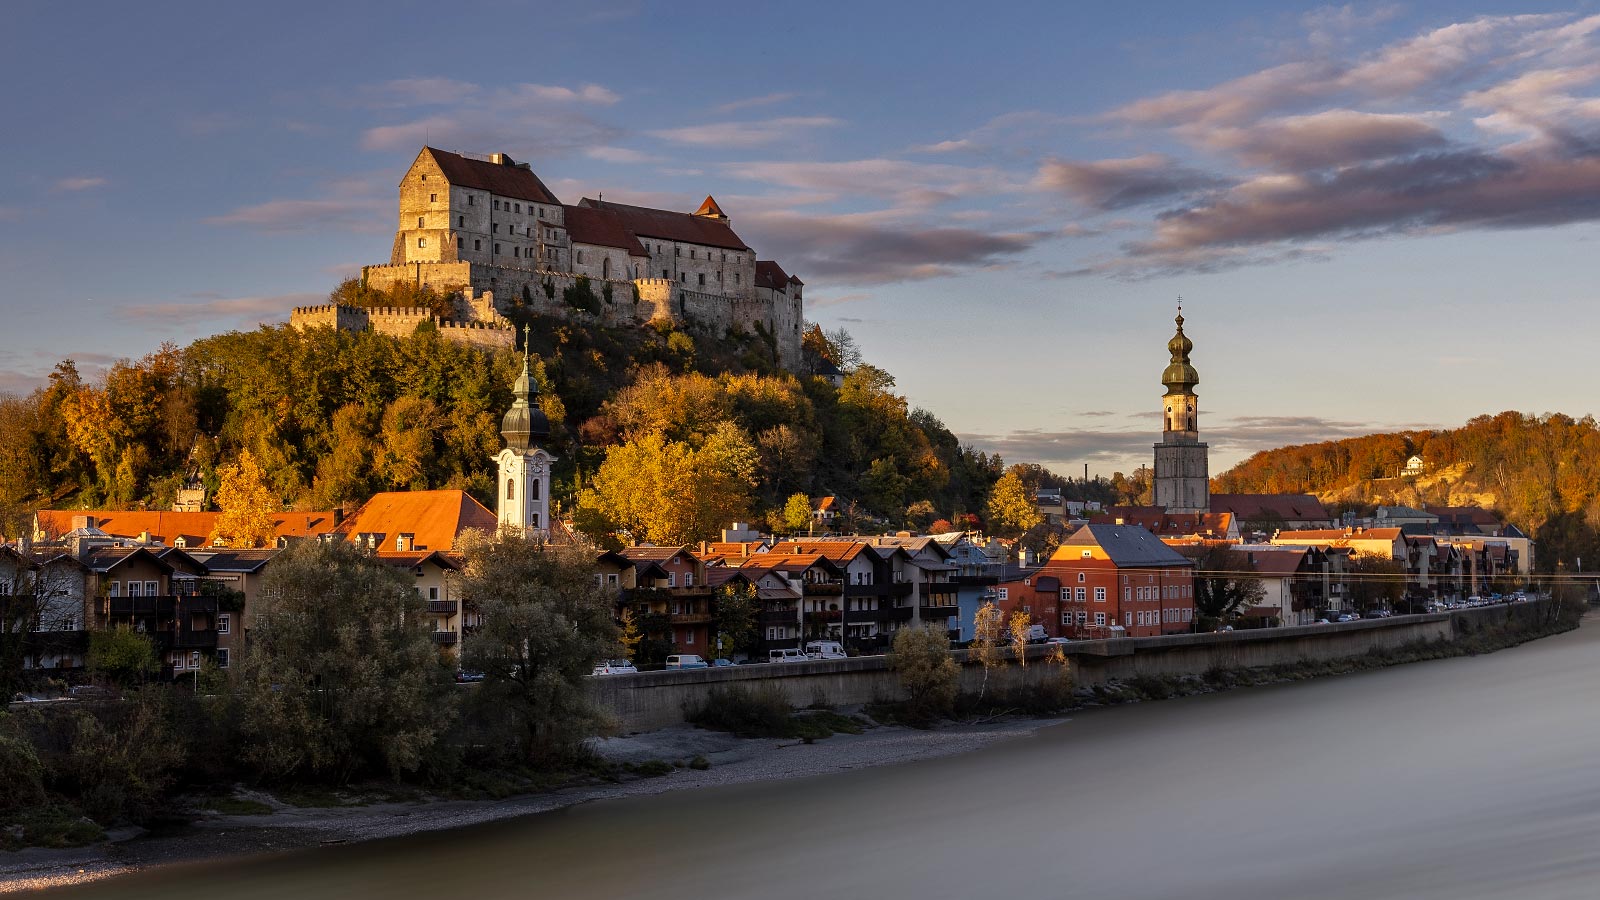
1108 581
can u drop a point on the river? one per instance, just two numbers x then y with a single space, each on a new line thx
1473 777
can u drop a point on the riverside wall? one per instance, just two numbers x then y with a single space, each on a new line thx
652 700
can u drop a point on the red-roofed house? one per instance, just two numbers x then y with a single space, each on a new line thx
409 521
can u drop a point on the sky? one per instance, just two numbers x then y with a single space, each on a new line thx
1378 216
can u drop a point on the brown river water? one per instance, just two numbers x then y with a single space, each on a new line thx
1464 778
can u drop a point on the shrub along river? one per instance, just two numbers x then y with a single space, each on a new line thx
1469 777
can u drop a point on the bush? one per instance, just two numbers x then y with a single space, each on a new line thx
761 712
921 658
118 760
21 773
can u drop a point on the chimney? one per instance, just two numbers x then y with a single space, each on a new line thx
144 537
338 517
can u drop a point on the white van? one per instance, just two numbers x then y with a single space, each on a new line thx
686 661
790 655
825 650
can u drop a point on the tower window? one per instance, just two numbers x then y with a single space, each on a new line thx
433 198
511 489
420 222
470 200
422 242
533 489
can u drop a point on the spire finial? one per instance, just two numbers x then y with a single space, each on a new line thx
525 340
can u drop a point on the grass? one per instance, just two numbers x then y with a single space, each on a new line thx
764 712
52 825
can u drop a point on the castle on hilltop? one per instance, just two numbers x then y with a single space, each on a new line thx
488 228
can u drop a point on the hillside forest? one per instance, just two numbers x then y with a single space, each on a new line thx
665 434
1541 473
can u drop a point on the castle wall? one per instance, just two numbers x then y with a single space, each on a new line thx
441 222
697 267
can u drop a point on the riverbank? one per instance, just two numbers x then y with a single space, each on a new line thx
731 760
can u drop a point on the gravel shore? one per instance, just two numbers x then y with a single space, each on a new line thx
733 761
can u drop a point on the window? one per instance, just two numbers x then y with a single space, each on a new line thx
1083 618
736 278
688 638
495 228
1127 618
461 221
1081 595
611 578
1081 578
1100 595
224 623
1066 618
516 252
664 274
511 489
458 243
133 589
114 589
672 579
433 198
470 200
1127 594
433 593
1066 593
222 657
497 204
534 520
1003 592
518 207
177 660
497 248
477 245
421 222
422 242
1099 618
702 279
533 489
688 579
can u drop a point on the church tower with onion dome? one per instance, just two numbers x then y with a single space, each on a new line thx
524 482
1182 480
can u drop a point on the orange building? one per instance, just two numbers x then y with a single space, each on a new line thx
1107 581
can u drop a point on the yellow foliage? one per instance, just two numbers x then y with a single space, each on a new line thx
247 506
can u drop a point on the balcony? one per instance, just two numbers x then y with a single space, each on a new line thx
446 638
442 607
890 589
141 606
941 588
892 614
939 610
827 615
823 589
783 617
698 618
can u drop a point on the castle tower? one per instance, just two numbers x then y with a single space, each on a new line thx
524 482
1182 482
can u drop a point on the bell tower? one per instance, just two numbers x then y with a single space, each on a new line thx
523 485
1182 480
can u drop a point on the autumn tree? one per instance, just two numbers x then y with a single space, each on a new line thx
670 492
544 624
921 659
246 506
1020 622
796 516
1225 583
988 641
1011 509
342 678
628 633
734 617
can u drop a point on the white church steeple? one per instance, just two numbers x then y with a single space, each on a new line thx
524 482
1182 482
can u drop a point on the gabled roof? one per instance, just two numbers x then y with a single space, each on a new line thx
506 179
770 275
672 226
790 562
837 551
414 558
1339 534
1292 507
1128 546
105 559
710 208
659 554
435 519
243 561
166 527
1277 562
601 228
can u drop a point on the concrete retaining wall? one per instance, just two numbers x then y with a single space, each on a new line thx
657 699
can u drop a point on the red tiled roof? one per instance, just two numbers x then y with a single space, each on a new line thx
413 558
602 228
1277 563
710 208
672 226
194 527
435 519
770 275
506 180
1293 507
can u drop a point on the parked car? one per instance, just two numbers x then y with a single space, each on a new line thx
719 663
1059 640
616 667
686 661
790 655
825 650
1344 617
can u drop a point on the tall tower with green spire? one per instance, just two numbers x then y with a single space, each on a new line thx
1182 481
524 482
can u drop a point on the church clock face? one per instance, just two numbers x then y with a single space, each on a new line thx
537 466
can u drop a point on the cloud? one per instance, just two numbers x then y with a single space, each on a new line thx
620 155
1330 138
1116 183
747 134
238 311
524 119
1067 448
763 100
908 184
1254 433
80 183
954 146
826 300
10 213
348 205
854 249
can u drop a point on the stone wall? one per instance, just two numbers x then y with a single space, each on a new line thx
656 699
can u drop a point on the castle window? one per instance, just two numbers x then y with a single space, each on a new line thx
702 278
516 251
496 248
724 257
421 221
677 251
534 520
518 207
458 243
422 242
497 204
477 245
664 274
495 228
433 198
461 221
511 489
736 278
470 200
691 253
541 212
683 277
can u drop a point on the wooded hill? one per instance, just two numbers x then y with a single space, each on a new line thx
333 417
1541 473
